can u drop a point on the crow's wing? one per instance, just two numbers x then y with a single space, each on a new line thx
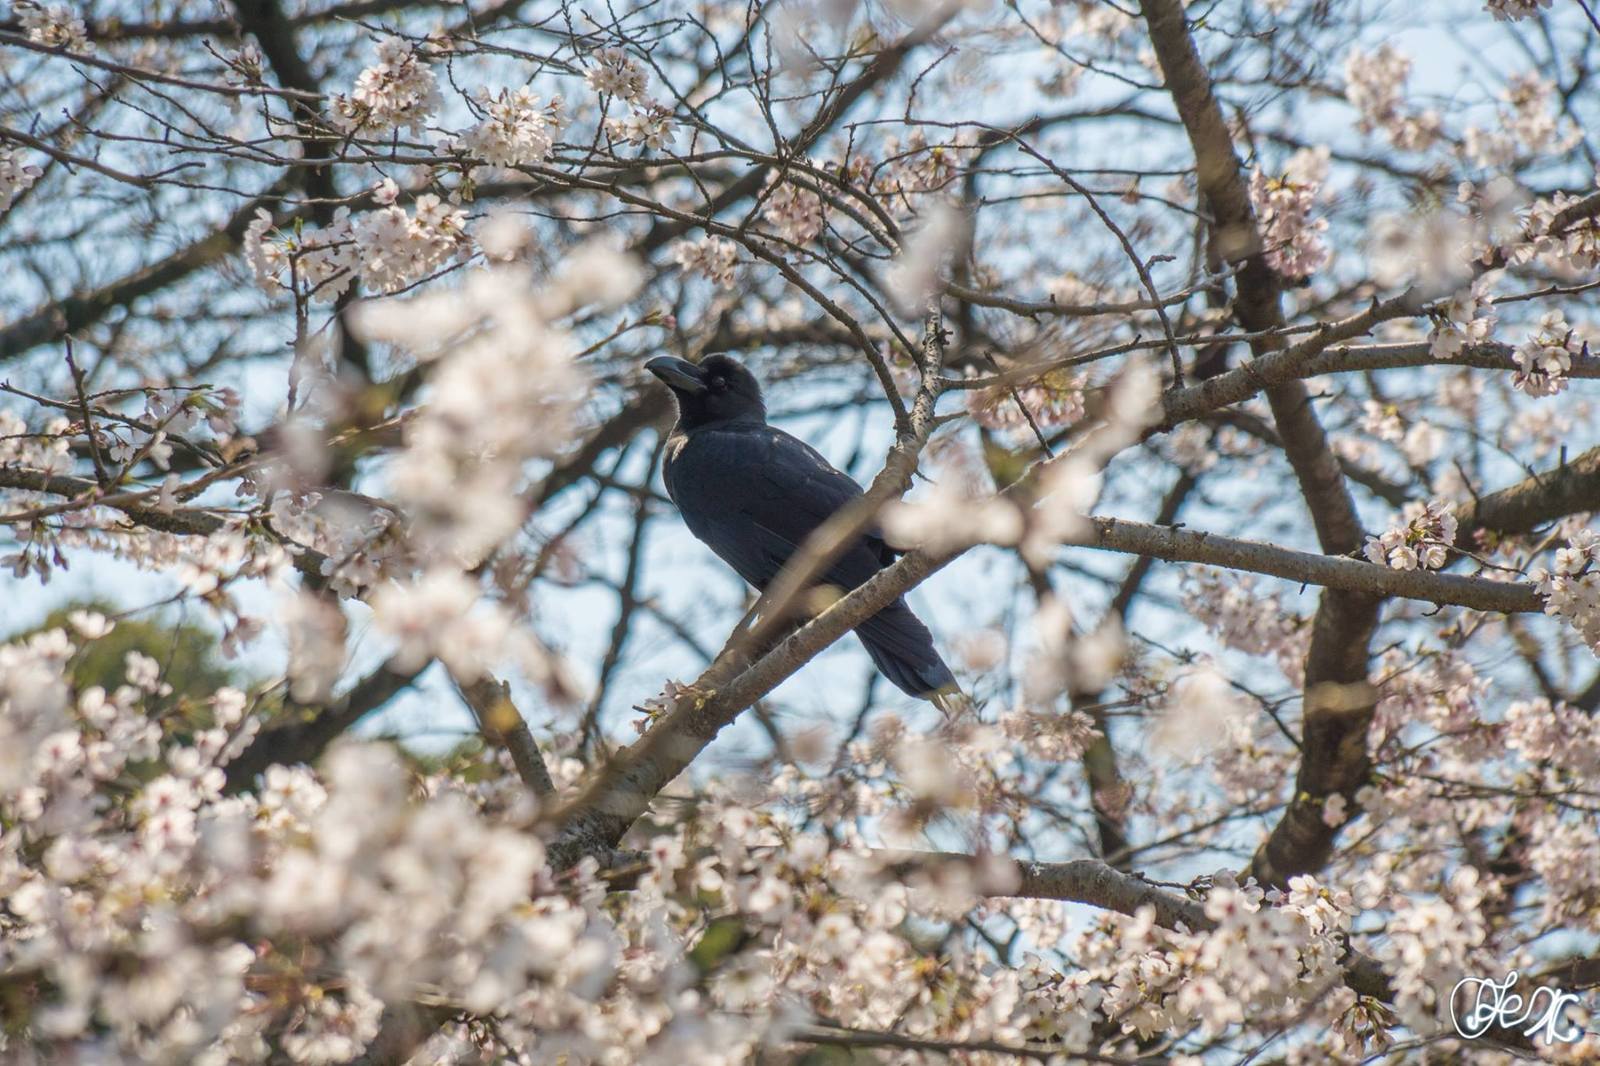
753 493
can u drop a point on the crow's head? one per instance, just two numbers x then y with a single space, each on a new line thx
719 389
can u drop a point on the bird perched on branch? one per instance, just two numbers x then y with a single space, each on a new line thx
752 493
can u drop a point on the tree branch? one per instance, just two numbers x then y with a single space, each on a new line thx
1330 571
1338 702
303 740
1571 488
503 725
184 521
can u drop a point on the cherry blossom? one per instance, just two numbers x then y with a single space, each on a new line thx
649 124
397 92
518 129
617 73
1571 587
711 257
1422 541
1376 87
53 25
1577 248
794 212
1294 245
1463 321
1051 400
387 249
363 697
1544 359
15 176
1526 124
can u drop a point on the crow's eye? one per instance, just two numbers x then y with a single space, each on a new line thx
717 384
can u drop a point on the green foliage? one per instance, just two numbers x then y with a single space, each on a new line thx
722 938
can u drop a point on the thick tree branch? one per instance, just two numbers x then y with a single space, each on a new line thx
1338 702
622 791
313 728
1094 883
1571 488
1277 369
184 521
1357 576
503 725
839 1036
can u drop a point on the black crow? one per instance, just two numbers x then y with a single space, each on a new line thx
752 493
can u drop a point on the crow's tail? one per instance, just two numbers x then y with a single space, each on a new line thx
902 649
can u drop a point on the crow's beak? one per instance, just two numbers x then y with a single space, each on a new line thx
677 373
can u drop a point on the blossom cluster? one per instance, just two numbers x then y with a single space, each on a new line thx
15 176
53 25
1419 441
1375 85
386 248
176 921
49 451
1527 125
1422 541
1245 617
1560 735
1463 321
649 124
912 168
1293 239
1571 586
505 390
715 258
793 211
1544 359
397 92
648 121
1264 953
1052 400
616 73
518 129
948 518
1574 248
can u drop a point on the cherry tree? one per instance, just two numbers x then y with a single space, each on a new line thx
1222 368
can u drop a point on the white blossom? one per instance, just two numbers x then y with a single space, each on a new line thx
617 73
1292 238
1375 85
793 211
1423 540
649 123
711 257
15 176
398 92
1545 358
53 25
518 129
